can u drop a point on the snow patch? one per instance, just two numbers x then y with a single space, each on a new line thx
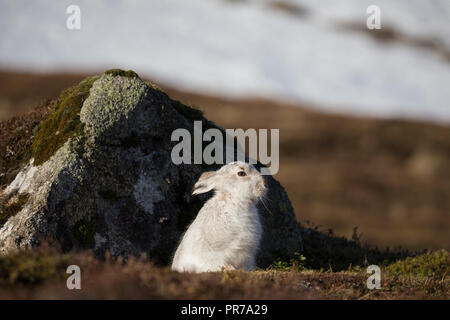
247 49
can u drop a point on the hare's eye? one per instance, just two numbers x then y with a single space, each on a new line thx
241 174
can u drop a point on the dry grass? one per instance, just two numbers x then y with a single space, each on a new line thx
41 275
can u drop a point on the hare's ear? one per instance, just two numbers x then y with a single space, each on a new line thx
204 183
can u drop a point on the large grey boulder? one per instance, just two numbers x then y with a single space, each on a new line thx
111 184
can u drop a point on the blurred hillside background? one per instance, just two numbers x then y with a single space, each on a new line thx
363 114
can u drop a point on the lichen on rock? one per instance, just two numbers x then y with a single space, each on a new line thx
147 193
12 207
100 176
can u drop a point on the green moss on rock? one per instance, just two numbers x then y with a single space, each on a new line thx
84 232
122 73
78 144
12 209
63 123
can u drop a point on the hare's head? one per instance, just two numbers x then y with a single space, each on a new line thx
237 179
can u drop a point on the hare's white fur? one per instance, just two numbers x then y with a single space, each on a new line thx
227 230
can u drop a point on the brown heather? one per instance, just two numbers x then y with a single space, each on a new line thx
391 178
40 274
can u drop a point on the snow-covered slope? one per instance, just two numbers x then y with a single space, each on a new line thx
242 48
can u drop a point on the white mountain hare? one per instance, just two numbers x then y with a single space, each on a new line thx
227 230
